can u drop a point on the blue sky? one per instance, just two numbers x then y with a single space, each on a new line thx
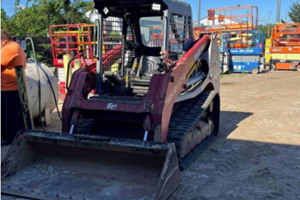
265 7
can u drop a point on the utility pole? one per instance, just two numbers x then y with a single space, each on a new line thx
278 11
199 12
286 14
270 13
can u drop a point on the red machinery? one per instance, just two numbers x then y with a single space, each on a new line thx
148 119
70 39
285 46
73 39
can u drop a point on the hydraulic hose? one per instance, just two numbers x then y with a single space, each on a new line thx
39 85
51 87
39 80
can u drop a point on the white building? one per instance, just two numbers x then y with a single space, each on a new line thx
204 21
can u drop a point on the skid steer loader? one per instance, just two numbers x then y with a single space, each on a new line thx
128 131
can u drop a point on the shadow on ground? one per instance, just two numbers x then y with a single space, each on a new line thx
238 169
229 121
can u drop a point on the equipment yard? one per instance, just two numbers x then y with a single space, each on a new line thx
257 152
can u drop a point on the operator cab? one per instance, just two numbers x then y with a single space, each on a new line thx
152 36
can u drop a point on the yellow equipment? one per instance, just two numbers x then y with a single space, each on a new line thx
267 51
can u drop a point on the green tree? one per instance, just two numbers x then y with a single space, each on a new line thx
35 20
37 16
4 20
267 28
294 13
114 35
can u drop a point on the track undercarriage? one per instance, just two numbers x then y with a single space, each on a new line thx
193 126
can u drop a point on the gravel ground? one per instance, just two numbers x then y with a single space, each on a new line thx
257 153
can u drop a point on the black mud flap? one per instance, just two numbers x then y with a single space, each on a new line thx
44 165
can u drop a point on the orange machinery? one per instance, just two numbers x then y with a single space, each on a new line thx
220 30
157 33
285 46
229 19
221 21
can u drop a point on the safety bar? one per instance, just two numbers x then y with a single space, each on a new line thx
69 64
99 23
95 47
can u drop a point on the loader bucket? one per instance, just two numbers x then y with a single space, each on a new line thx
45 165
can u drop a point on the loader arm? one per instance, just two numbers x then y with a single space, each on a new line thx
173 82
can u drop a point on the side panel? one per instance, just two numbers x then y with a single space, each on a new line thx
284 61
252 51
286 66
267 51
175 82
292 49
226 62
283 56
245 63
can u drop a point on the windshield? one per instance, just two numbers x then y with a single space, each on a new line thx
151 31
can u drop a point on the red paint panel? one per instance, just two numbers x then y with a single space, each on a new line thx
163 92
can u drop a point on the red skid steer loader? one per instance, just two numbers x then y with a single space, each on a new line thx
131 125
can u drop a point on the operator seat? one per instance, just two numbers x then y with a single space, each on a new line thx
148 67
149 61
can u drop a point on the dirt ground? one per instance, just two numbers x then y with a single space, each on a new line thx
257 153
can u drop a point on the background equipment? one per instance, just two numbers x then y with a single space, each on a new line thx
285 46
225 20
246 50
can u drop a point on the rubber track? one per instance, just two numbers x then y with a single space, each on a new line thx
183 121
